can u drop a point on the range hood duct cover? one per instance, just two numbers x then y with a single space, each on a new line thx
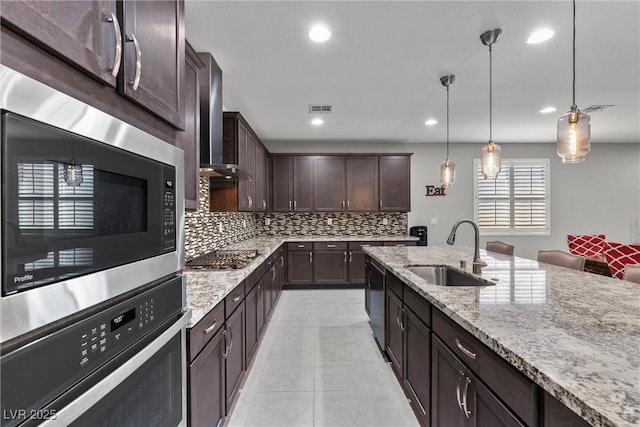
212 161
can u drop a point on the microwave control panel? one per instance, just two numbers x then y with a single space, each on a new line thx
169 211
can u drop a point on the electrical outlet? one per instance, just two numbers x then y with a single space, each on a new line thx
385 221
434 221
220 227
267 221
329 221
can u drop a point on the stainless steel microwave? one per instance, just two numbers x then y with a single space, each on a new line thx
91 207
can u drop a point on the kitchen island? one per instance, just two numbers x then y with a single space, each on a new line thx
574 334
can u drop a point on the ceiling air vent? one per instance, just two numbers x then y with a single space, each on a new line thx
596 108
320 109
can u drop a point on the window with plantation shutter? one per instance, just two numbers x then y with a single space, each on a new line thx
516 202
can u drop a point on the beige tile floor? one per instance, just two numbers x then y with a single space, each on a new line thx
318 365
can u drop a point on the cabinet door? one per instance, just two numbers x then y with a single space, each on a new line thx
234 362
189 140
303 183
244 203
362 183
300 268
251 167
206 384
417 363
328 184
394 184
367 289
251 328
153 58
394 330
330 267
446 387
270 284
483 407
281 183
558 415
281 272
260 313
260 179
83 33
356 267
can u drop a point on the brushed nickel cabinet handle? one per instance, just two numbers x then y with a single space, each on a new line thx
211 328
380 203
347 205
117 55
464 350
331 246
226 347
250 201
290 205
230 340
403 314
273 275
295 205
281 261
236 299
467 412
345 257
458 398
350 256
301 246
264 204
398 317
136 77
343 205
310 256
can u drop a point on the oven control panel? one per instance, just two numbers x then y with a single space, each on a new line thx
169 210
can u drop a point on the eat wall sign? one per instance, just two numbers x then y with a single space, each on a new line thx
432 190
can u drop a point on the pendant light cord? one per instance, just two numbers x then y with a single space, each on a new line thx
448 121
490 94
574 52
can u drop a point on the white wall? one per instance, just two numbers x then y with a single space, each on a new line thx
601 195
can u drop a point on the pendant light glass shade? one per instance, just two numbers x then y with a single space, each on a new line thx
447 168
447 173
72 174
574 134
574 128
490 157
490 160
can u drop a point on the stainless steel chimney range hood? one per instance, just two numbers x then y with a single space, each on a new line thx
212 161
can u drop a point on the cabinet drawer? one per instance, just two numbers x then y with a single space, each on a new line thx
394 284
234 299
400 243
330 246
357 246
308 246
420 306
516 390
254 277
204 330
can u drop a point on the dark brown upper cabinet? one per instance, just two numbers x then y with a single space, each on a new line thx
303 183
189 140
134 45
394 182
86 34
282 183
153 56
329 184
362 183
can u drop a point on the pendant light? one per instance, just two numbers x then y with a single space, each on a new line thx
490 158
574 130
447 168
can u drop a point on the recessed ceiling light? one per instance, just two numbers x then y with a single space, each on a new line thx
546 110
540 36
317 122
431 122
319 33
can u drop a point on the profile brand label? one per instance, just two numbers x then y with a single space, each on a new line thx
22 279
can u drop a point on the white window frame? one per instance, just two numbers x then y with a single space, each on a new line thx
506 167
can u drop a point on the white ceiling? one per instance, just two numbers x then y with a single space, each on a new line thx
380 70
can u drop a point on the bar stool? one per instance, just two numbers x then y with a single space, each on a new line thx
500 247
632 273
618 255
562 259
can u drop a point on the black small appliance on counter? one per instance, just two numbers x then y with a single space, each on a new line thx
419 231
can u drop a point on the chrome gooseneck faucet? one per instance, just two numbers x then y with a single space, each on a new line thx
477 262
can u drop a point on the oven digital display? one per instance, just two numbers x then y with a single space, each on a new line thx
123 319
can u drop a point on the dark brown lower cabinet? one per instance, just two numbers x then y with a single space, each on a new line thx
235 354
206 384
558 415
270 289
417 353
394 331
458 398
300 267
254 305
330 267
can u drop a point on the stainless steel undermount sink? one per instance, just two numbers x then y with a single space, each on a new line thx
443 275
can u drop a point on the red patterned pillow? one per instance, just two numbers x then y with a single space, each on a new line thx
618 255
587 245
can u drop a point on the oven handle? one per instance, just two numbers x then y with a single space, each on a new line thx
82 404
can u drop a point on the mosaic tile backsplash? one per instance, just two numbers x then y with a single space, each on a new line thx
201 226
343 223
202 235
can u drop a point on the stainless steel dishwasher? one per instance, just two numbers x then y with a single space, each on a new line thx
376 288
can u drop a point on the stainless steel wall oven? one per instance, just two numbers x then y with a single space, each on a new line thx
92 319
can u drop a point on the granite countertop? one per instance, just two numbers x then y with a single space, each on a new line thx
206 288
575 334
